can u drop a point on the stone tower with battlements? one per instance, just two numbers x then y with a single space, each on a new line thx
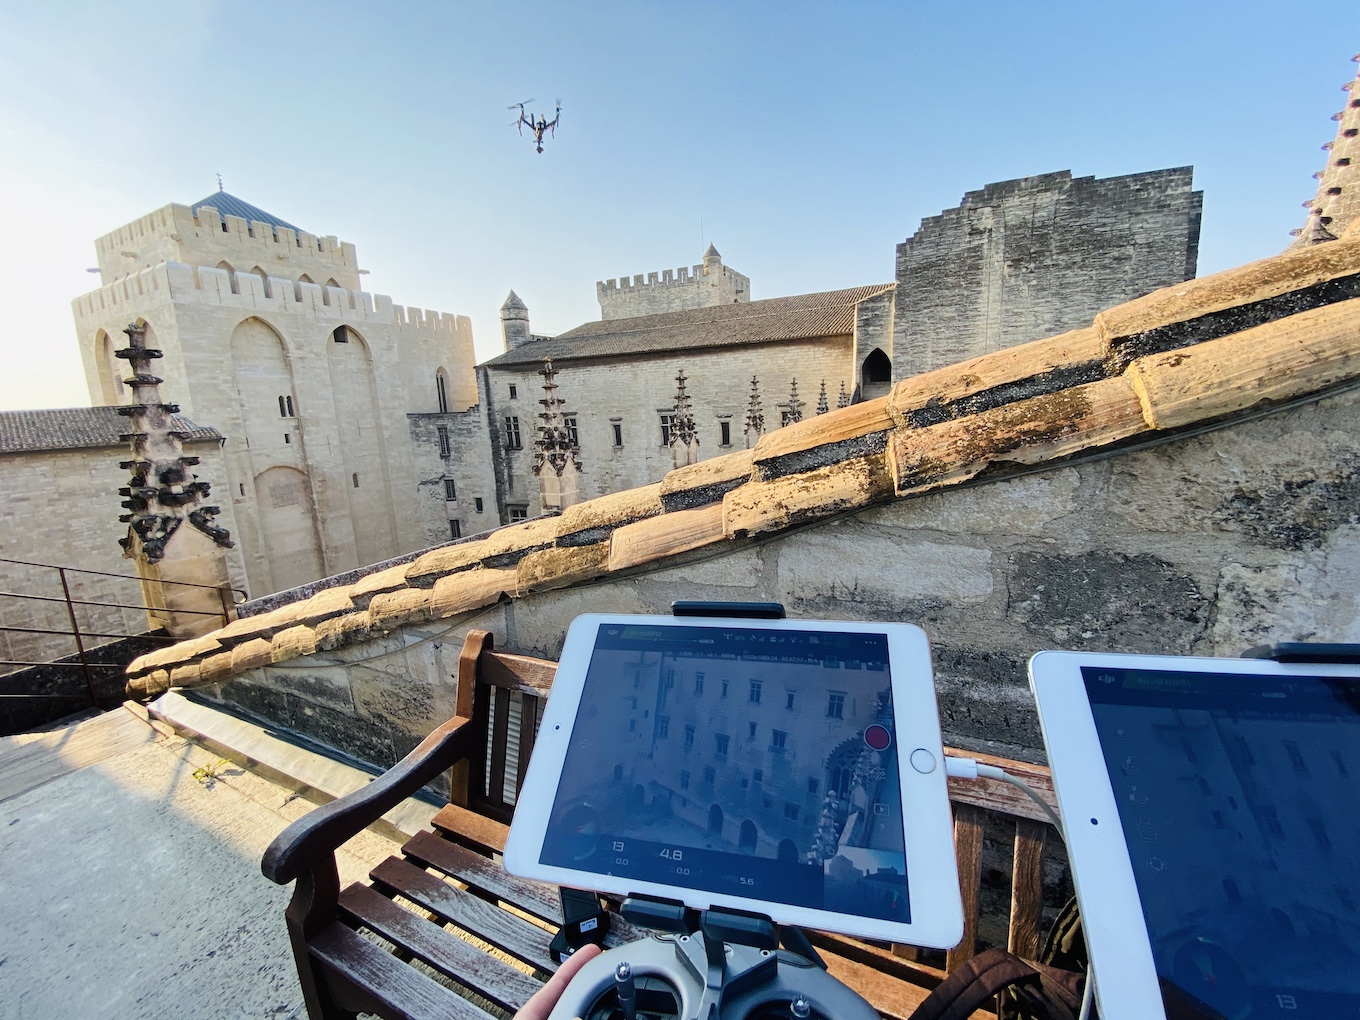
1336 207
710 283
343 414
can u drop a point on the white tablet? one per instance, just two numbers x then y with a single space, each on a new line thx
787 767
1212 809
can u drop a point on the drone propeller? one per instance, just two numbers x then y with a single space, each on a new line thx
519 106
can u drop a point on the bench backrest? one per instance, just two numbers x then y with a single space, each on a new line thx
503 695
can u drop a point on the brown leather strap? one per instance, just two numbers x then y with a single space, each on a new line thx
1045 990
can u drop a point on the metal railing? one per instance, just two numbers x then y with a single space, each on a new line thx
227 595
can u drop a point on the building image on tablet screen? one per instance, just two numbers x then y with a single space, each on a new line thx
758 763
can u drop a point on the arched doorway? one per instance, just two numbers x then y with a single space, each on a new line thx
715 820
875 374
746 840
788 852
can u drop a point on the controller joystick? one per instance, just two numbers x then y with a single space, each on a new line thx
669 977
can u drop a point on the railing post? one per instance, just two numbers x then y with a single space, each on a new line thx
75 632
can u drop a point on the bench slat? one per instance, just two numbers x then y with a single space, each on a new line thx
445 952
403 992
500 734
471 829
517 672
505 931
530 706
1027 883
488 877
968 822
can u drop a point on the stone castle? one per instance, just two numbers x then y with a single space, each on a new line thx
340 409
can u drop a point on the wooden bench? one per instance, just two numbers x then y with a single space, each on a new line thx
435 909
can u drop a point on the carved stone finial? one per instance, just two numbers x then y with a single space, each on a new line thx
822 405
755 417
795 405
557 458
684 439
843 399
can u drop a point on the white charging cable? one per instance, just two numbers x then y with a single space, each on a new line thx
969 768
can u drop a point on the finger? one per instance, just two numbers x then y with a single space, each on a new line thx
541 1003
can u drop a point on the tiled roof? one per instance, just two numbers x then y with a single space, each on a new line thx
830 313
78 428
1199 352
227 204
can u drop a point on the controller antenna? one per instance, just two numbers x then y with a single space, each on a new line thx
626 991
800 1007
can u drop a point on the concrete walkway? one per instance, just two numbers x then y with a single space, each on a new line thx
129 877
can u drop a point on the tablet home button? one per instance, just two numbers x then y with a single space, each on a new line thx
922 760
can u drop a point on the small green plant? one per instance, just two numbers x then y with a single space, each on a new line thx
207 774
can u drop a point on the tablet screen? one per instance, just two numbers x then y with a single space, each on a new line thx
1237 795
752 762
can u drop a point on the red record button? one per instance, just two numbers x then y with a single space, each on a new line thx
877 737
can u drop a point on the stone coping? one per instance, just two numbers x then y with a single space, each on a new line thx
1199 352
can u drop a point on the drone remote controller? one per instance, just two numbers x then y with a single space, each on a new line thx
680 976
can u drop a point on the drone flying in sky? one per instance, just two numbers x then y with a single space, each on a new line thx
543 124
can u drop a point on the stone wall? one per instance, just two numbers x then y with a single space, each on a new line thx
1036 256
62 507
634 392
1205 544
466 466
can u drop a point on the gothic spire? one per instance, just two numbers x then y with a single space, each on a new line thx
795 405
162 493
843 400
755 417
822 405
684 440
555 448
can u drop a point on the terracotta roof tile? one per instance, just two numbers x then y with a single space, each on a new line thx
80 428
1027 432
557 568
472 589
707 481
1278 361
591 521
657 537
290 643
764 506
394 608
384 580
449 559
1001 377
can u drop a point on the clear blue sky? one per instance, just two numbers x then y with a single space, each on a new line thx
807 138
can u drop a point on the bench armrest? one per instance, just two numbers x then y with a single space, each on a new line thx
319 832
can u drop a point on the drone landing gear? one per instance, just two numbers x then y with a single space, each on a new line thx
700 973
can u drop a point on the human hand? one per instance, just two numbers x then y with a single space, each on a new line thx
542 1002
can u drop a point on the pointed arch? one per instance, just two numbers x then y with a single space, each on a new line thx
264 279
360 444
441 390
326 290
875 374
110 369
231 275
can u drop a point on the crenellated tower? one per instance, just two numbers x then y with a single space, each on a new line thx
703 286
1336 207
172 535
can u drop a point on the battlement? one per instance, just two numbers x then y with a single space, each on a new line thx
701 286
174 233
175 282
